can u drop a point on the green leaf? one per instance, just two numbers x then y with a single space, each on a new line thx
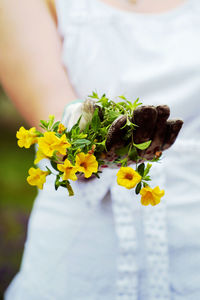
97 175
71 157
94 95
44 124
54 156
140 169
148 167
104 101
122 97
129 124
133 154
58 134
51 120
143 146
122 151
138 188
111 115
101 146
96 122
54 165
128 135
55 126
57 182
75 130
82 135
103 132
147 178
155 159
124 162
136 103
86 130
101 143
39 133
43 127
81 142
145 184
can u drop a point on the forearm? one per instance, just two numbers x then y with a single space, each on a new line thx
35 100
31 70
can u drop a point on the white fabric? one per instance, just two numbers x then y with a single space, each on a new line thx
89 247
73 111
71 114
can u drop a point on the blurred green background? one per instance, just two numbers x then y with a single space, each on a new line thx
16 196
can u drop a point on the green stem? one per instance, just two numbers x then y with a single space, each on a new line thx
70 190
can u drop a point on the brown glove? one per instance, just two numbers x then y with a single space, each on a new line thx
152 124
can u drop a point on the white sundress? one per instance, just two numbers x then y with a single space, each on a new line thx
102 244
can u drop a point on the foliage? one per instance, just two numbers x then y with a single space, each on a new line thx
78 152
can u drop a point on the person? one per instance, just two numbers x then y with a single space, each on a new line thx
103 244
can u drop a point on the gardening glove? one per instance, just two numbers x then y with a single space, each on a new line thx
75 109
152 124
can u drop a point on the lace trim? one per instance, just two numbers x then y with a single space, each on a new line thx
127 279
154 220
155 232
155 277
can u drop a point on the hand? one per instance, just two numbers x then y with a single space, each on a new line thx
153 124
75 109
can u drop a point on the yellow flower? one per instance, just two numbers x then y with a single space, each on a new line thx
61 128
50 142
37 177
39 156
151 196
86 163
128 177
68 169
26 137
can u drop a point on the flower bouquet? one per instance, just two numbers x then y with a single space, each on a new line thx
108 139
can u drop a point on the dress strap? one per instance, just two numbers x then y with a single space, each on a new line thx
154 220
156 240
71 6
127 275
69 9
143 260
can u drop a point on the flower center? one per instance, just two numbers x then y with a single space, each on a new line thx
69 168
84 165
129 176
149 196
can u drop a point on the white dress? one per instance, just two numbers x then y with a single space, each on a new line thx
93 246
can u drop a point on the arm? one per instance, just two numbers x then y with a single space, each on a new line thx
31 70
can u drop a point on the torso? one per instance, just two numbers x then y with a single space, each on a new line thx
154 57
157 58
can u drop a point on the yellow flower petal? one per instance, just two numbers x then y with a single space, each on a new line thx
61 128
151 196
26 138
63 145
158 192
128 177
50 143
37 177
39 156
86 163
68 170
